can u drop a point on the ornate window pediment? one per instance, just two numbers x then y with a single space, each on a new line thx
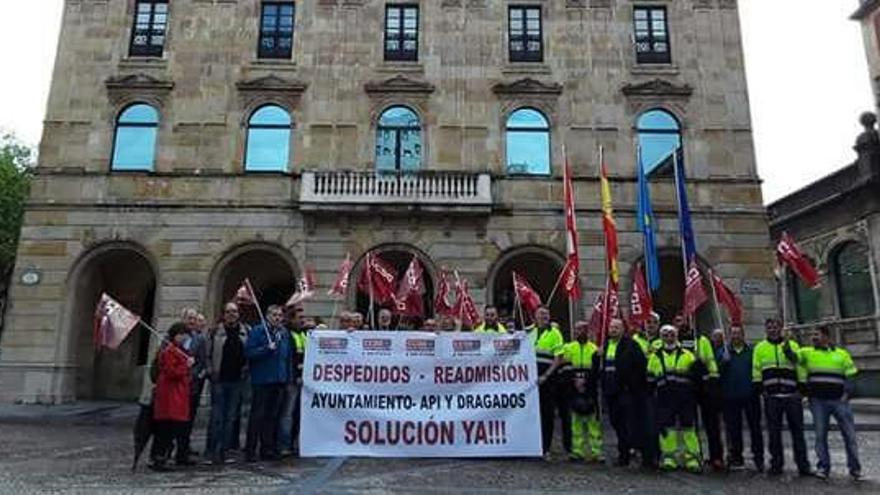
272 83
140 85
399 84
527 86
658 87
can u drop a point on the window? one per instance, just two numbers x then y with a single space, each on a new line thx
268 140
659 136
651 35
276 31
852 275
807 301
401 32
528 143
398 141
134 146
150 27
525 34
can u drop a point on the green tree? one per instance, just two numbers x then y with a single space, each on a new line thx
16 170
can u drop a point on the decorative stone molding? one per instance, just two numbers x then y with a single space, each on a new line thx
137 86
527 86
399 84
657 88
271 88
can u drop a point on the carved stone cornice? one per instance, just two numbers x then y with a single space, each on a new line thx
399 84
138 81
272 83
527 87
658 88
138 85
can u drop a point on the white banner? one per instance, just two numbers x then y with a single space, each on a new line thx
419 394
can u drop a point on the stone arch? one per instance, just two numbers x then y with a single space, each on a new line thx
669 300
127 272
541 266
271 269
399 256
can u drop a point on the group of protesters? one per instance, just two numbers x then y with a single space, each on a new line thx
659 386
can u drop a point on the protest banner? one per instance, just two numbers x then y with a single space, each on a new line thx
419 394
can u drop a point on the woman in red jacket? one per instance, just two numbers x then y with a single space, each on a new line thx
171 401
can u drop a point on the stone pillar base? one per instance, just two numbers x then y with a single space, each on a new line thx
37 383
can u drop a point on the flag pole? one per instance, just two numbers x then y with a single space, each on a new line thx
783 281
159 336
461 306
556 286
684 261
718 320
603 330
641 208
369 269
250 287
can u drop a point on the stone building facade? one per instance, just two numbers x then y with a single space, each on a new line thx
868 15
187 229
836 220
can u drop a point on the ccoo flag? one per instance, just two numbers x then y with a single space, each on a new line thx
689 245
646 225
113 322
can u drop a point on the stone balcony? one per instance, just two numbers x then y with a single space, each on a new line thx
440 192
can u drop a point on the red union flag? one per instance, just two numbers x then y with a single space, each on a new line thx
527 296
789 253
340 285
727 298
694 292
113 322
441 300
605 308
305 287
569 276
378 279
464 308
244 295
640 303
408 301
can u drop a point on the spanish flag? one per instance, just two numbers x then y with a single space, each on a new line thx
608 225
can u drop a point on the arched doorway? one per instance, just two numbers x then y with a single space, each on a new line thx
669 300
125 273
541 268
399 258
270 269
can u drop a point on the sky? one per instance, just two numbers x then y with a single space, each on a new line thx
805 64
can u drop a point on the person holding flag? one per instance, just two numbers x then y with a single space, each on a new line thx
708 393
269 354
548 342
171 404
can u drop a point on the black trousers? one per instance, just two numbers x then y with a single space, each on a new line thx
710 415
167 435
621 414
734 410
553 401
195 399
265 416
775 408
650 435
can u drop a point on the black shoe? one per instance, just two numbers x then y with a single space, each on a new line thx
759 466
775 471
185 462
158 467
250 458
806 474
270 457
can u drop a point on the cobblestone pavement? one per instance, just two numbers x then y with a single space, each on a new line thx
95 459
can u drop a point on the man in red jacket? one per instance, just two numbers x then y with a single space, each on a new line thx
171 404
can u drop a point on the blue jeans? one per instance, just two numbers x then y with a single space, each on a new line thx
288 430
822 410
225 398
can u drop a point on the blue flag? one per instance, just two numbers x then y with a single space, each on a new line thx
645 216
688 242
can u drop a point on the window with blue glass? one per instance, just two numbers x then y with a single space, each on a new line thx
268 140
134 145
398 141
659 137
276 30
528 143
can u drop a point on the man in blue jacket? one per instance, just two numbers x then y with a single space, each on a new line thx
739 398
268 350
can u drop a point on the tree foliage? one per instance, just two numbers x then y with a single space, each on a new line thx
16 170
